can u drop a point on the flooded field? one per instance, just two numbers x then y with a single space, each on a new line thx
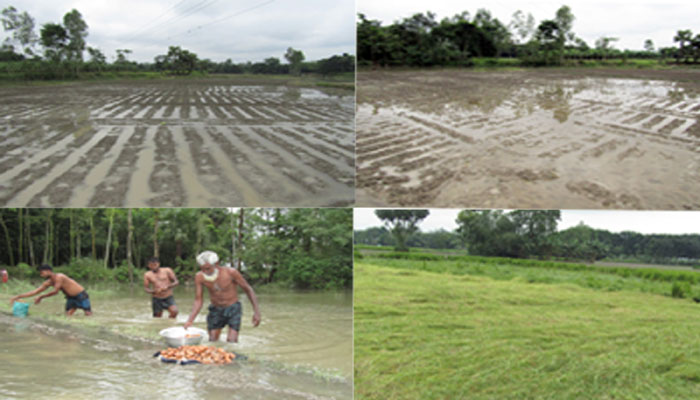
550 138
175 143
301 350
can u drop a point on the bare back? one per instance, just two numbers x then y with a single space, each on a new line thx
68 286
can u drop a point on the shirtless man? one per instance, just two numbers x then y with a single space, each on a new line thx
163 280
76 296
225 309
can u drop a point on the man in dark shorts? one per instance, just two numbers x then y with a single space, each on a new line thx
225 309
163 280
76 296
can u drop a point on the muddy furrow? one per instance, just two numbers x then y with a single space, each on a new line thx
302 155
114 188
40 171
259 150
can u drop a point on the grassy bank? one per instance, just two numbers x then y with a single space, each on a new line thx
344 81
516 63
421 334
666 281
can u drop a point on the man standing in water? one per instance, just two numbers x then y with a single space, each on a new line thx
225 309
76 296
163 280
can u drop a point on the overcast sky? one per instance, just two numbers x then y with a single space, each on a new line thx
243 30
673 222
631 21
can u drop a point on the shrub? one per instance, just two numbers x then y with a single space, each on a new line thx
680 290
313 273
86 269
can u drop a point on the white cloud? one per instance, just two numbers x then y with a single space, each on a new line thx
319 28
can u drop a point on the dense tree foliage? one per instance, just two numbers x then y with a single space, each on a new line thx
178 61
439 239
422 41
64 43
307 248
402 224
533 234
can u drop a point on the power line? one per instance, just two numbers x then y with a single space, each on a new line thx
187 13
222 19
148 25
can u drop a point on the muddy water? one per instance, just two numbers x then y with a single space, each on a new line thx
186 143
529 139
302 349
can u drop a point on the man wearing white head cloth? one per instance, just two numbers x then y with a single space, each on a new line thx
225 309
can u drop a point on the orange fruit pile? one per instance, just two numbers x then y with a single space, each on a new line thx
201 353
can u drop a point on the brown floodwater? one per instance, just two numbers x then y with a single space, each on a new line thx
529 139
301 350
198 143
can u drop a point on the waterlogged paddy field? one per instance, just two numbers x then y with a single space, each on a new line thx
529 139
424 335
301 350
176 143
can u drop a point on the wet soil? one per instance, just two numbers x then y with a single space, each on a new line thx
175 143
549 138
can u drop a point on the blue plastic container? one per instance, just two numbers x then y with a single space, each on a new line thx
20 309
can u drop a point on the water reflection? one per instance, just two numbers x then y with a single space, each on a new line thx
522 94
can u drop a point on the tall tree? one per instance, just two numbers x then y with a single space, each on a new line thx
240 236
401 223
48 239
109 237
129 238
28 230
294 58
54 38
683 37
649 45
565 22
156 251
93 234
523 27
8 242
20 236
76 30
22 27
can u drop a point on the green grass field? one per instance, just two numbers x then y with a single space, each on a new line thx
421 334
338 81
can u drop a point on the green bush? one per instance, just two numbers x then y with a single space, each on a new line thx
22 271
680 290
651 274
86 270
121 273
313 273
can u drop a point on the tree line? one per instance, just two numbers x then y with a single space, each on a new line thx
302 247
422 41
531 234
58 52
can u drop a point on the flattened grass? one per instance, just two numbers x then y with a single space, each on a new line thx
427 335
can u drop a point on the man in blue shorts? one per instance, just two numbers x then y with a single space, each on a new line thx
76 296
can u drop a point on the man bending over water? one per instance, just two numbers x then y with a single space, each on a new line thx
76 296
225 309
163 280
